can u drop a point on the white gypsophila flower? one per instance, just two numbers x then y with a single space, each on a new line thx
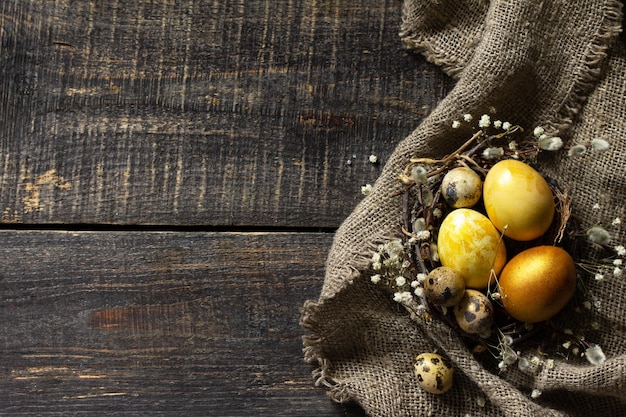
467 117
376 257
620 250
550 363
400 281
423 235
595 355
497 124
599 277
421 277
373 159
617 262
419 174
402 297
617 272
493 153
536 393
377 266
523 364
456 124
375 278
599 145
598 235
512 145
616 221
415 284
576 150
596 206
419 291
550 144
506 125
538 131
366 189
484 122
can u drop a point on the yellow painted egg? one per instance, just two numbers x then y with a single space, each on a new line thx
469 243
518 200
537 283
433 372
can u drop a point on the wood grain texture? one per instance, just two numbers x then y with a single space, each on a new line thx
151 324
221 112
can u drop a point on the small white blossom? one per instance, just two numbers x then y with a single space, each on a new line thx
484 122
493 153
617 262
456 124
480 401
423 235
415 284
617 272
523 364
376 257
577 150
375 278
550 363
400 281
599 145
421 277
536 393
616 221
419 291
377 266
366 189
467 117
594 355
497 124
596 206
373 159
550 144
402 297
512 145
538 131
621 250
598 235
506 125
567 344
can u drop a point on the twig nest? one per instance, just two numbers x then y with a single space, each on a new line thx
433 372
444 286
474 313
537 283
461 187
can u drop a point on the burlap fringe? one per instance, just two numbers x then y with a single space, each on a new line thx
594 60
313 354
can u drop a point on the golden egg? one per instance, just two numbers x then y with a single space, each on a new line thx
518 200
537 283
469 243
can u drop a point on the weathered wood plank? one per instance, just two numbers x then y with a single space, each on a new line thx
223 112
130 324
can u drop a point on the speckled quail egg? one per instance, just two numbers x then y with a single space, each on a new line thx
461 187
433 372
444 286
474 313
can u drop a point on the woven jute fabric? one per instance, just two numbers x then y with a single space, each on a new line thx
559 64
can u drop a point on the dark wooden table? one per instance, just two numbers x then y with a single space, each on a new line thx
171 175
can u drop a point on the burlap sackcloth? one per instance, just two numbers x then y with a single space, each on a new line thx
559 64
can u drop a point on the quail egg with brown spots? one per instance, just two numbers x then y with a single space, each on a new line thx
461 187
444 286
474 313
433 372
